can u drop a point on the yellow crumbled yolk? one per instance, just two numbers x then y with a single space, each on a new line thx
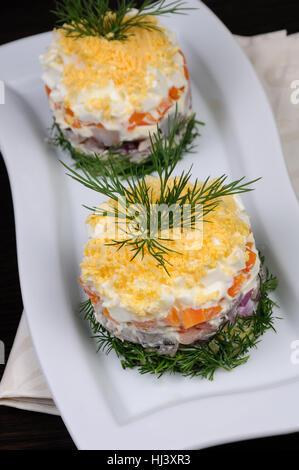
139 282
94 62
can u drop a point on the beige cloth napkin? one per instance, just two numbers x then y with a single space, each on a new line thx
275 57
23 384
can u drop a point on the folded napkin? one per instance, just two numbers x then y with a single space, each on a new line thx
275 57
23 384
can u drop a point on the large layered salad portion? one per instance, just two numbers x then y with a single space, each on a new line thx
205 285
171 269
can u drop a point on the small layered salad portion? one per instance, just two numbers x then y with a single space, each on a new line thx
112 77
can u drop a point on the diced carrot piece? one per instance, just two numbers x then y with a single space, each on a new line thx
137 118
48 90
193 316
249 244
174 93
69 112
250 262
93 297
94 124
71 120
146 119
145 325
77 124
173 318
140 119
237 285
107 315
164 106
211 312
186 71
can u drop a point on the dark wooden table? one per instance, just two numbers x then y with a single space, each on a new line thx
26 430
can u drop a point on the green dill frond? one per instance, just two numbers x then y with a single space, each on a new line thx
141 235
228 349
144 236
132 186
80 18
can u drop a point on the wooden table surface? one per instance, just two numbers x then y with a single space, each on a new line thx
26 430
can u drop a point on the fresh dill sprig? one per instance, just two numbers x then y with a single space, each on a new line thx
139 233
184 131
80 18
228 349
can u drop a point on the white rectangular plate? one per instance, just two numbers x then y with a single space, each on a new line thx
102 405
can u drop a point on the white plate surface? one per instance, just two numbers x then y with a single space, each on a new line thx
103 406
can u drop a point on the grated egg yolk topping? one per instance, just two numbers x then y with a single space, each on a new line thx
139 282
96 61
